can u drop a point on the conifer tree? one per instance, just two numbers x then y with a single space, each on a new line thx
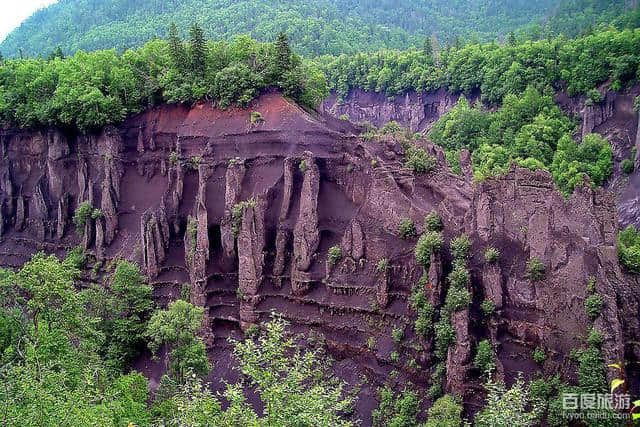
283 55
176 47
428 48
198 45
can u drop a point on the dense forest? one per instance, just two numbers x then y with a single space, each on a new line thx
89 90
315 27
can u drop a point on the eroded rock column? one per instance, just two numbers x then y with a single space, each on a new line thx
306 236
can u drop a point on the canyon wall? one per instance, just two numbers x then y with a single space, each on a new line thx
245 212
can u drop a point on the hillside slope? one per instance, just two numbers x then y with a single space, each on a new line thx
169 180
318 27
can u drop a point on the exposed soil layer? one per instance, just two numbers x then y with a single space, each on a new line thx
167 182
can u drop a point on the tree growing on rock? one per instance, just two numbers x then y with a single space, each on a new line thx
177 328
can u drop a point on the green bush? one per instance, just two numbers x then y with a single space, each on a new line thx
344 117
427 243
536 269
488 307
394 357
539 355
571 161
256 117
628 166
457 299
509 407
83 213
382 265
593 306
406 229
459 276
419 303
629 249
397 334
334 255
173 158
485 359
396 409
445 412
391 128
445 336
595 96
491 255
460 247
595 338
419 160
433 222
303 166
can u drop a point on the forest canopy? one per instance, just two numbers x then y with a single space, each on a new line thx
496 70
315 27
93 89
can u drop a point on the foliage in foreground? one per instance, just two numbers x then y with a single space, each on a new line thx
512 406
292 385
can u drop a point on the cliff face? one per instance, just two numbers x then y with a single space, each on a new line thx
614 118
246 213
415 111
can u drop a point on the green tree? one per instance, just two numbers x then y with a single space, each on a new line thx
198 50
124 309
397 410
177 328
509 406
445 412
283 55
176 48
292 383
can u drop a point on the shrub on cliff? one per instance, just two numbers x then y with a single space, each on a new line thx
485 359
509 406
593 306
491 255
536 269
401 409
594 157
334 255
419 160
445 412
433 221
406 229
629 249
84 212
124 309
460 247
177 327
427 243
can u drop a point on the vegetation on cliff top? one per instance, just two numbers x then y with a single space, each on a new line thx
90 90
496 70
